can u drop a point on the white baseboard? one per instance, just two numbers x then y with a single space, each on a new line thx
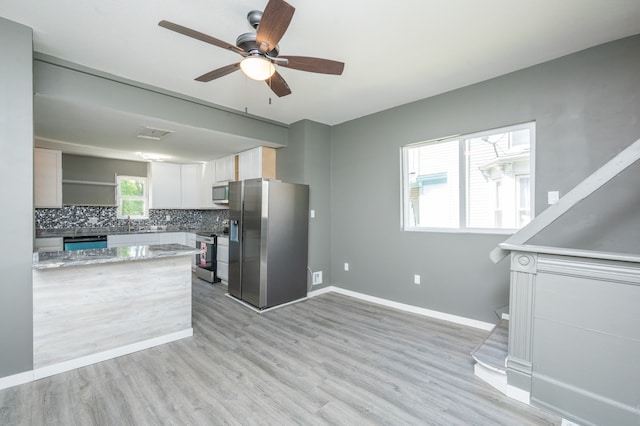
16 379
498 380
318 292
61 367
50 370
404 307
518 394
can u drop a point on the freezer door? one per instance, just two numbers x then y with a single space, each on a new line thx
235 239
253 242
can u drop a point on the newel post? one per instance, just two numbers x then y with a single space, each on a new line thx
521 301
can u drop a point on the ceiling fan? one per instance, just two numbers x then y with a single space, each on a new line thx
260 49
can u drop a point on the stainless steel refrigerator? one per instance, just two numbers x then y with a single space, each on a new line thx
268 241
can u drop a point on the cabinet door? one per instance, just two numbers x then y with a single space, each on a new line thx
222 269
250 164
166 186
221 170
48 244
190 186
190 240
173 238
258 162
126 240
226 169
207 180
47 178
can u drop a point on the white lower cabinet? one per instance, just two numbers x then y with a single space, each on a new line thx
174 238
123 240
48 244
222 254
190 240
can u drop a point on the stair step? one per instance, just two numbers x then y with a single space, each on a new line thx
492 353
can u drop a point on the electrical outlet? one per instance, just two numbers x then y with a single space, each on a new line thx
553 197
93 220
317 277
168 218
346 266
416 279
312 213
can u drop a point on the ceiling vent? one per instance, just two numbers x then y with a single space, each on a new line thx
153 133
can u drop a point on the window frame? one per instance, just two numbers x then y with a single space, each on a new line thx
463 194
144 197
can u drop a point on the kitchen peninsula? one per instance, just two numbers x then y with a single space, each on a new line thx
93 305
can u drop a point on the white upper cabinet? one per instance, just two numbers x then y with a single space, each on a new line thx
191 181
166 186
225 169
256 163
180 186
47 178
208 179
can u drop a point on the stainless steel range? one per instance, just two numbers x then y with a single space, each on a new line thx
206 262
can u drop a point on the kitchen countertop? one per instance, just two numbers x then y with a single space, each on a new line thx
59 259
80 232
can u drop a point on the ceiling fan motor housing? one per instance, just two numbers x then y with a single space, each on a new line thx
247 42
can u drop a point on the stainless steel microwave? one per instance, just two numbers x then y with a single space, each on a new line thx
220 193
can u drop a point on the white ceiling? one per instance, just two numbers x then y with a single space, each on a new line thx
395 52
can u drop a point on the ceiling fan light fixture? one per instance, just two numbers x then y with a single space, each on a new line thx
257 67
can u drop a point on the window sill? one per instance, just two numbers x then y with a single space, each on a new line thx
463 231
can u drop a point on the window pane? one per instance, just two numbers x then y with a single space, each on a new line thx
486 176
494 191
524 201
132 208
433 177
131 188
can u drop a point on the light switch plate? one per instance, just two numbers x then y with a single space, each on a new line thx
553 197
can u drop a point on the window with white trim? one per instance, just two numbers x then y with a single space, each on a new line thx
132 197
480 182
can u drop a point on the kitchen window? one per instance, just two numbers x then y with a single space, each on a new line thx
480 182
132 197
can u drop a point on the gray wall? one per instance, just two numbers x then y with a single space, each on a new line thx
306 159
16 215
586 110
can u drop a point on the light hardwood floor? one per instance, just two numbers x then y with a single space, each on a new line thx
329 360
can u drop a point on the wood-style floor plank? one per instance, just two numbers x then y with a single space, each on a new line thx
328 360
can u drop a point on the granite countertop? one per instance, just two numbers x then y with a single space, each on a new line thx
59 259
119 230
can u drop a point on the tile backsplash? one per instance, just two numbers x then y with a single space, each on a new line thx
105 217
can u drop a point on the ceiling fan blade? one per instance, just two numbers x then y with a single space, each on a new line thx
278 85
199 36
319 65
275 21
220 72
